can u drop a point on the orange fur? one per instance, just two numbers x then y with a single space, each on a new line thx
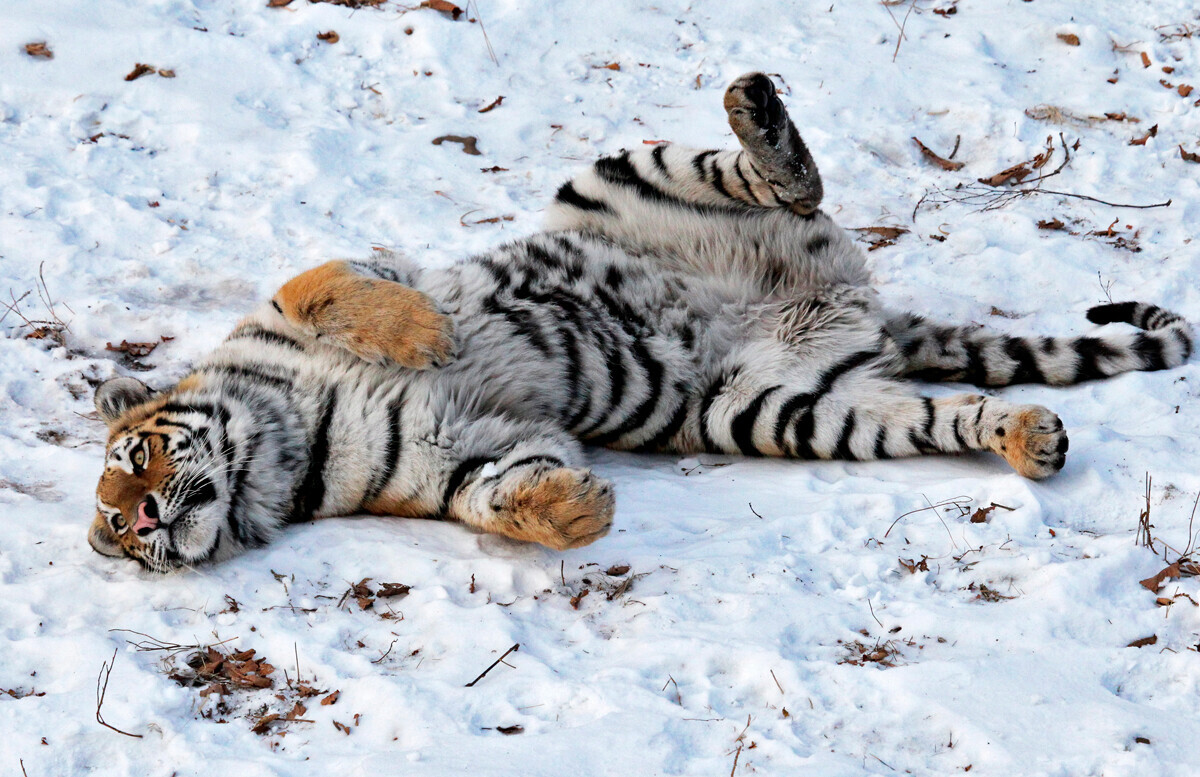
559 508
374 319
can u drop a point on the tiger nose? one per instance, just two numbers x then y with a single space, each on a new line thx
147 517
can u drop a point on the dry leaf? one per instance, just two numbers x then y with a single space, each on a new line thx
1188 156
1152 132
617 571
1144 641
1014 174
510 730
614 66
945 164
342 727
39 50
915 566
1163 601
1178 569
138 71
1145 59
886 233
493 104
136 350
329 37
1184 90
1168 69
577 598
468 142
442 6
165 73
493 169
278 3
393 589
264 723
331 699
1069 38
1050 224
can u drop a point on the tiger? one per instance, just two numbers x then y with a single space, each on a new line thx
678 301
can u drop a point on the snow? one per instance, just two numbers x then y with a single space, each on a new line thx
271 151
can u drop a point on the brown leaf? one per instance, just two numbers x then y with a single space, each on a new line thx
493 104
342 727
885 233
1163 601
1188 156
1184 90
1168 69
1144 641
393 589
39 50
915 566
442 6
297 711
1145 59
1152 132
493 169
1069 38
1051 224
468 142
331 699
164 73
136 350
264 723
1166 84
577 598
612 66
1178 569
278 3
329 37
945 164
510 730
617 571
138 71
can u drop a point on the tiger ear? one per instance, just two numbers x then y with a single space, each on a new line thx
116 395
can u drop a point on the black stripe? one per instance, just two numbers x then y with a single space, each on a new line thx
706 402
256 332
737 168
975 372
742 427
818 243
567 194
255 374
554 461
698 164
664 435
200 408
522 320
805 428
619 171
457 477
1027 370
789 409
718 182
312 488
842 449
1149 350
1090 350
391 449
1185 341
881 442
657 156
645 410
829 377
958 435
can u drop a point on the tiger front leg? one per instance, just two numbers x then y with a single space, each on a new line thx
374 318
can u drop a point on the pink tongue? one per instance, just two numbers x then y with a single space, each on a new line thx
144 521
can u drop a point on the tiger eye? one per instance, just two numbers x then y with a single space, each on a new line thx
139 458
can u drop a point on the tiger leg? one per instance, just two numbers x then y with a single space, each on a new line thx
855 412
977 355
364 308
524 480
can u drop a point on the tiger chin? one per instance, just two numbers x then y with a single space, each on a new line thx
679 301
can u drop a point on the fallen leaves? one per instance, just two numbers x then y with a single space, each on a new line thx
331 699
986 594
1057 115
1069 38
610 66
914 567
493 104
443 7
981 514
39 50
945 164
1182 568
141 69
330 37
1144 641
881 237
1184 90
1145 59
1188 156
136 350
365 597
1051 224
1152 132
469 142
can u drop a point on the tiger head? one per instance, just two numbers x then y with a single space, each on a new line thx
157 501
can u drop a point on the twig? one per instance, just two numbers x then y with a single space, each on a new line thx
678 695
753 510
101 688
23 768
487 41
901 25
562 575
958 502
1143 537
872 608
494 664
776 679
389 650
151 644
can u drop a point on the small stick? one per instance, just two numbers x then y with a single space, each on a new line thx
101 688
735 759
562 565
753 510
872 615
493 666
776 679
389 650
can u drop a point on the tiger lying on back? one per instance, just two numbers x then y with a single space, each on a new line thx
680 301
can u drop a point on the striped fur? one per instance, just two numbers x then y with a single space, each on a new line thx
679 301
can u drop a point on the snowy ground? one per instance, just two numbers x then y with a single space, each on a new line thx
772 619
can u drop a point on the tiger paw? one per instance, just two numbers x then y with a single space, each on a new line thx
1032 440
779 156
377 320
560 508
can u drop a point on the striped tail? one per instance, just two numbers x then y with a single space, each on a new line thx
983 357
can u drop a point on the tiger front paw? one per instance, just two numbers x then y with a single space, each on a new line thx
1032 440
560 508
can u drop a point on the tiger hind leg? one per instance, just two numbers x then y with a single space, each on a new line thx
853 411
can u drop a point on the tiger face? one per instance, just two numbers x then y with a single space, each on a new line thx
157 501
